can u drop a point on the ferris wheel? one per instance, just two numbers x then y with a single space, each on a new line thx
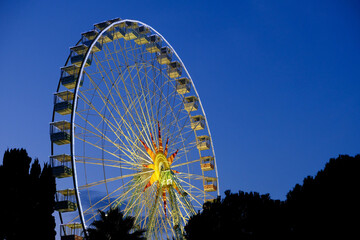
129 131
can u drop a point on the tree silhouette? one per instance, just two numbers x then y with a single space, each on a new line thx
27 198
325 206
241 215
113 225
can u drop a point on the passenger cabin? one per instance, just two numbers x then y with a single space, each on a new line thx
63 102
65 201
142 38
210 184
210 200
174 69
96 48
61 165
130 25
71 231
131 30
118 33
164 57
71 69
77 59
207 163
106 37
197 122
81 49
60 132
114 20
191 103
154 44
183 85
131 34
102 25
203 142
90 35
69 75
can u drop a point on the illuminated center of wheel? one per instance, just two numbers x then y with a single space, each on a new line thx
160 164
163 176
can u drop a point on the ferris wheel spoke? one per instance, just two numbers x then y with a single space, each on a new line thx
189 186
112 203
116 163
105 165
136 203
119 199
93 206
185 163
94 212
111 126
146 112
190 175
185 209
142 116
125 195
172 111
133 103
109 180
129 154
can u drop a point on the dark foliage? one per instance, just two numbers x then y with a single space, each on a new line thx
113 225
239 216
27 198
325 206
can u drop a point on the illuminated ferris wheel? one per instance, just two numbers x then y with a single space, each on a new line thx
129 131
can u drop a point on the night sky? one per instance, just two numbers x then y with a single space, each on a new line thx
279 80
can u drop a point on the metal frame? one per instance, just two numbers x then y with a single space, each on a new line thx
75 102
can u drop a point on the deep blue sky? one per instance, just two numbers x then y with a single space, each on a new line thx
279 80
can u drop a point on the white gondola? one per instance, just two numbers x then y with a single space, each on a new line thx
207 163
61 165
183 85
165 55
71 231
210 184
203 142
65 201
174 69
60 132
154 44
191 103
63 102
